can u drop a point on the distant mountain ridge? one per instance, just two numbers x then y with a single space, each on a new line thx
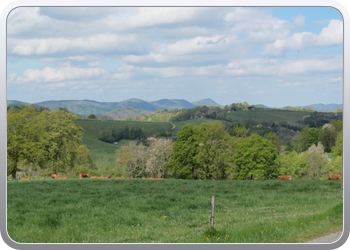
206 102
325 107
87 107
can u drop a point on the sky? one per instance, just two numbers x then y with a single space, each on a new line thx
276 56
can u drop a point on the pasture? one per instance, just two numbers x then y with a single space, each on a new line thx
261 115
171 211
102 150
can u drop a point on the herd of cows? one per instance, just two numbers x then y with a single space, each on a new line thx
283 177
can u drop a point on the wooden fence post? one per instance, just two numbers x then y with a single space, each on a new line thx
212 211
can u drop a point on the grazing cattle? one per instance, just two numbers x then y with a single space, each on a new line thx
54 176
66 177
25 179
84 175
285 177
130 177
333 177
109 176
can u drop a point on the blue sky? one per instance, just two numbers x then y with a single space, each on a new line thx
273 56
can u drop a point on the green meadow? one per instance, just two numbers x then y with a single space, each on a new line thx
171 211
261 115
102 151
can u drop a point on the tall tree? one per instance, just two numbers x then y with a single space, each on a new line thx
65 137
25 137
182 163
328 137
131 160
317 160
215 148
255 158
158 156
292 164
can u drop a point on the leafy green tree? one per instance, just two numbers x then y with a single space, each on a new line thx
317 160
65 137
274 139
215 149
336 166
255 158
328 137
49 139
201 152
83 156
26 135
240 131
292 164
91 116
308 136
338 125
182 163
338 148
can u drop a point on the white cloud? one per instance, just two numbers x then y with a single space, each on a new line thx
260 24
94 64
47 46
11 78
93 86
199 45
274 67
52 75
293 84
121 75
165 72
146 17
337 79
330 35
186 50
23 19
56 85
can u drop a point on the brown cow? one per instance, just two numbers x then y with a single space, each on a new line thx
54 176
109 176
84 175
285 177
333 177
66 177
25 179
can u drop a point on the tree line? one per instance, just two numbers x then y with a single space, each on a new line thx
38 138
211 151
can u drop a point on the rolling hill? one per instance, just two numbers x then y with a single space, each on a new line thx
320 107
207 102
87 107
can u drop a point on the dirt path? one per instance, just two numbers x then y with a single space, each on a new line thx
327 239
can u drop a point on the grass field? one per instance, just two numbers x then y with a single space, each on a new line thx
171 211
106 151
268 115
99 149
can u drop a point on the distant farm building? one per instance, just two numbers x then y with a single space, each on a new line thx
251 108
